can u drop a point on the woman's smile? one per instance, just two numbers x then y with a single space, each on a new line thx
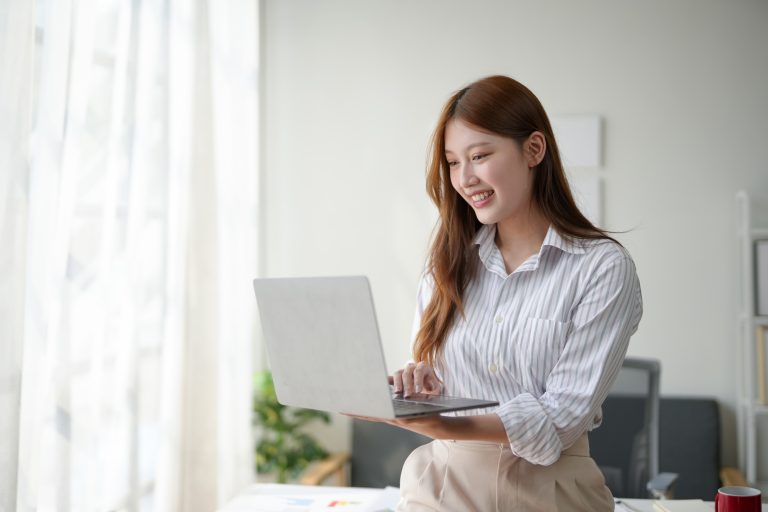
482 198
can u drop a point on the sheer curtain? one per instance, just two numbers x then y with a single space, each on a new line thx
16 50
128 215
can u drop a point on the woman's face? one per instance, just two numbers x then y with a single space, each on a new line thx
491 172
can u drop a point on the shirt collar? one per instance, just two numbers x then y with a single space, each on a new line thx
555 239
489 254
485 240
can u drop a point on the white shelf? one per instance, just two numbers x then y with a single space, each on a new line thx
753 216
763 487
755 406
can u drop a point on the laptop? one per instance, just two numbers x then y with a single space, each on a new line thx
325 352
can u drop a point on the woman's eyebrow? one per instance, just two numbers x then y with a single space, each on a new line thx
473 145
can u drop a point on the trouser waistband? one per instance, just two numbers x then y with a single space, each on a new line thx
580 447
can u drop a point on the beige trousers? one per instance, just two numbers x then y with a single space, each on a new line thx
479 476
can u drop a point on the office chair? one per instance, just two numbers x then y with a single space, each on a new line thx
626 445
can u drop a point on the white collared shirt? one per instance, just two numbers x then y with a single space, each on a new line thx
545 341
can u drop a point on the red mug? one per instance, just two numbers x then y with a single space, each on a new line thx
737 499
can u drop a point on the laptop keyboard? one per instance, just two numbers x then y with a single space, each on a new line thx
409 407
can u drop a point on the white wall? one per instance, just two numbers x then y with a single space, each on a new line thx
352 90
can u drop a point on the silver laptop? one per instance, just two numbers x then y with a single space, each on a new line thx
325 353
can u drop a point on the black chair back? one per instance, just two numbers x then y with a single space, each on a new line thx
378 453
626 445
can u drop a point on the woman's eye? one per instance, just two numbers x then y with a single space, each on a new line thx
452 163
480 156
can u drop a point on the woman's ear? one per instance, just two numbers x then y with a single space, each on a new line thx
535 148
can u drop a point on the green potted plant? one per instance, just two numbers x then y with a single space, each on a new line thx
282 447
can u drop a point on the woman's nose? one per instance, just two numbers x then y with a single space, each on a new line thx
468 178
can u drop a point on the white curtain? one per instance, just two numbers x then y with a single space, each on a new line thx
128 164
16 47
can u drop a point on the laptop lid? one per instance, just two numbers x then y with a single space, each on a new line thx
323 344
325 352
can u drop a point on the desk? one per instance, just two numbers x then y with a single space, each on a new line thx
305 498
647 505
632 505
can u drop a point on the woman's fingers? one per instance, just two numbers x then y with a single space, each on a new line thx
366 418
415 378
420 374
397 381
432 384
408 384
427 381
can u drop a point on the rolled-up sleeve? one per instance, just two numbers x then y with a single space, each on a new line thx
604 317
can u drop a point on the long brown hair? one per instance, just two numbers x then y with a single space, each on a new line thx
503 106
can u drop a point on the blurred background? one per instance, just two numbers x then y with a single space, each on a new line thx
157 155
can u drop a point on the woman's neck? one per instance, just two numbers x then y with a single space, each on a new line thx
519 238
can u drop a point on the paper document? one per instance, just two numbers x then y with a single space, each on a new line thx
681 506
623 505
387 500
292 498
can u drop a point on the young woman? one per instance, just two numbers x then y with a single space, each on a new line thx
525 302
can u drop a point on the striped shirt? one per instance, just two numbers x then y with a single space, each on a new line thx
545 341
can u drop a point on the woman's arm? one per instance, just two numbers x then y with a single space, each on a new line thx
486 427
603 319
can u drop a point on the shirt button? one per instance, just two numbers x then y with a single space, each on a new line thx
499 319
493 367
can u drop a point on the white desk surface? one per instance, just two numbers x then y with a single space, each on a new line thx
647 505
629 505
307 498
304 498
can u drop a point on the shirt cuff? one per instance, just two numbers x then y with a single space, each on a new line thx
531 435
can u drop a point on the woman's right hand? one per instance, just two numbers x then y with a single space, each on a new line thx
416 378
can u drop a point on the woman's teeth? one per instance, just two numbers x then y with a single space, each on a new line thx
482 196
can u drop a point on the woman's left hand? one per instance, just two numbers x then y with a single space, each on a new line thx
484 427
434 426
